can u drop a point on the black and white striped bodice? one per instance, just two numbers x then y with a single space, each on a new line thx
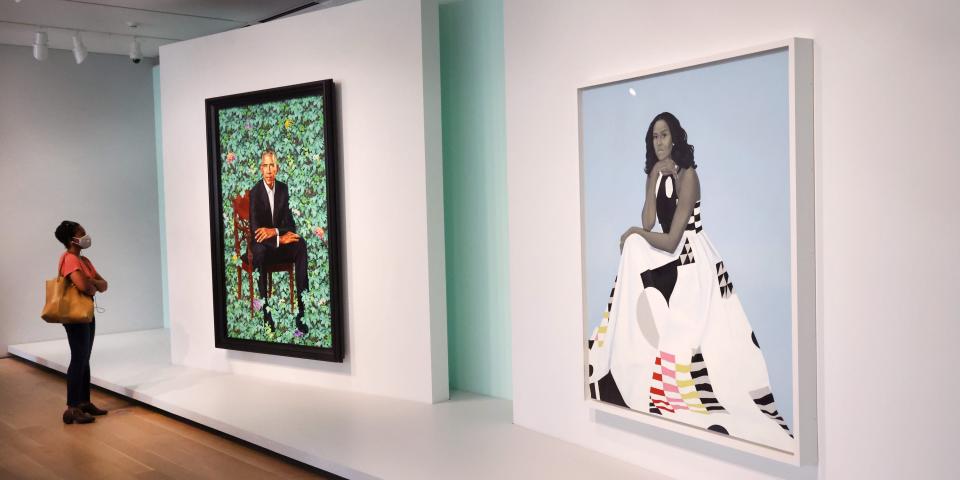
667 205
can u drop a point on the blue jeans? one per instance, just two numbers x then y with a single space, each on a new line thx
80 337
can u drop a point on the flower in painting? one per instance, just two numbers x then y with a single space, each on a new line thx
257 304
247 126
297 333
296 212
318 232
288 123
231 157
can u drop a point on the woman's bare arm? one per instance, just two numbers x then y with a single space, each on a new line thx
100 283
688 192
650 201
83 282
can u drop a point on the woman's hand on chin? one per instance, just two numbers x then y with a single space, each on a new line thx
666 167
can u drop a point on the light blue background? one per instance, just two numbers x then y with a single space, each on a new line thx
736 114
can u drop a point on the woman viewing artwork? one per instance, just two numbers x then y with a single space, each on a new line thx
84 277
674 340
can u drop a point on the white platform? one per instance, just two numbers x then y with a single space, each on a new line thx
352 435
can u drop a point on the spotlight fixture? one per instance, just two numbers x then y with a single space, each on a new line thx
106 40
135 54
40 48
79 50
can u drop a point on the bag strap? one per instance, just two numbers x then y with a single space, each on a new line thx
62 259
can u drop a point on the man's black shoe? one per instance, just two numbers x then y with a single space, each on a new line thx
269 319
304 329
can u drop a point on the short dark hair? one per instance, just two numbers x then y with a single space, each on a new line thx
682 152
66 231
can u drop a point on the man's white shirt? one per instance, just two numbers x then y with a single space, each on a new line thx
270 192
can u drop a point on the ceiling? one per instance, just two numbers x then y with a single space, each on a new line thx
104 23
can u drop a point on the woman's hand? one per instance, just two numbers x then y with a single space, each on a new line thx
83 282
626 234
99 283
666 167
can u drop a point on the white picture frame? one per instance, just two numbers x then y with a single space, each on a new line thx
800 206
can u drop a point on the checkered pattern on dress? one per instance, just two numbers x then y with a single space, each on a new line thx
764 400
601 330
723 278
686 255
682 386
694 222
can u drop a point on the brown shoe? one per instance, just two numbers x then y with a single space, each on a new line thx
75 415
92 409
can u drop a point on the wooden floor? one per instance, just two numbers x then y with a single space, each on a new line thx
132 441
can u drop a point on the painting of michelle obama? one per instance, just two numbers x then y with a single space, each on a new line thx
686 181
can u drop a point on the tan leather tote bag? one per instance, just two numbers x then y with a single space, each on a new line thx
65 303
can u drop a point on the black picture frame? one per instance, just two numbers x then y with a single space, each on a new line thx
331 236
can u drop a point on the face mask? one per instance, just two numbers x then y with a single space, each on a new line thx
83 242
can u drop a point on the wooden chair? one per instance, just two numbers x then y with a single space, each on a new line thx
243 236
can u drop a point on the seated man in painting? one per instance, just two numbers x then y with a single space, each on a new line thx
275 234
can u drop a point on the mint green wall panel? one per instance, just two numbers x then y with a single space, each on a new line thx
157 120
475 196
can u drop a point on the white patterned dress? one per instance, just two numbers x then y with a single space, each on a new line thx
675 341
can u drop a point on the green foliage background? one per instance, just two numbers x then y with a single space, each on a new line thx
294 129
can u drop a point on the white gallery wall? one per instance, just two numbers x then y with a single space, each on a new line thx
886 116
383 55
77 144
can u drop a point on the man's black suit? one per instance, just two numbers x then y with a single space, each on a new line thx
268 252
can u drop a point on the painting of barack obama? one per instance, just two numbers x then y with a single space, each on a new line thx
275 235
275 222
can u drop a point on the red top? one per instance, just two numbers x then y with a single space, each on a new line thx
72 263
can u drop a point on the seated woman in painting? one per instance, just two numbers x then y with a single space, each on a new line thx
675 340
